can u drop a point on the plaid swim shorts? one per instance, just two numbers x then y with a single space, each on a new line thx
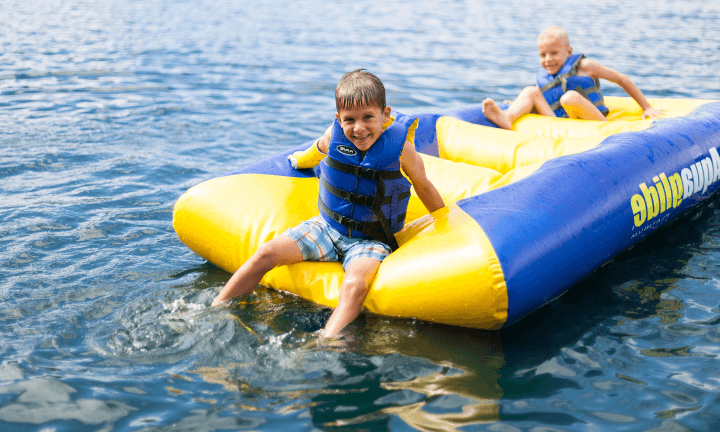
318 241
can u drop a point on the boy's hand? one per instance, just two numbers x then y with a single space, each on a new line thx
653 113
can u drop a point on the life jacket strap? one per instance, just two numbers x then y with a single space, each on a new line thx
348 196
377 210
359 171
588 91
373 230
363 200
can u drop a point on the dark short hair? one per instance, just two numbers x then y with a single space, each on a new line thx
359 88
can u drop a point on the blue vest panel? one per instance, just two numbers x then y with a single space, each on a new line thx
366 195
554 86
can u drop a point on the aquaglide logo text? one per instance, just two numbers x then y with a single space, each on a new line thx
668 191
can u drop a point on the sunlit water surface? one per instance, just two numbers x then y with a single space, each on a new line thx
110 110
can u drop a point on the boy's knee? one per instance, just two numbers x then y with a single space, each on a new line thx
267 256
354 286
571 97
359 275
531 91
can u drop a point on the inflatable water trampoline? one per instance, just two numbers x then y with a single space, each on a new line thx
530 212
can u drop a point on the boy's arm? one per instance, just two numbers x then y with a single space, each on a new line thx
596 70
414 167
314 154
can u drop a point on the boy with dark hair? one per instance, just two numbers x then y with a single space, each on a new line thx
363 197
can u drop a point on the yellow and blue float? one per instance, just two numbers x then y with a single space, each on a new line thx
529 213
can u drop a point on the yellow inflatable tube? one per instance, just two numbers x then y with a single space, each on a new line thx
447 268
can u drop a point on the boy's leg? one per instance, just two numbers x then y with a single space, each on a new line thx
354 288
579 107
281 250
530 99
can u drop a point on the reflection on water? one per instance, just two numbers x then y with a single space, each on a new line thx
411 370
42 400
465 392
111 110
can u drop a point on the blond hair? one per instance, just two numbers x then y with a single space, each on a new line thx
555 32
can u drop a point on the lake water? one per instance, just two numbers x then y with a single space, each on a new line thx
110 110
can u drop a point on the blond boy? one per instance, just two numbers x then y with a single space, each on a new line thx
568 86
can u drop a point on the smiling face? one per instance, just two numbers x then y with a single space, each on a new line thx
553 52
362 125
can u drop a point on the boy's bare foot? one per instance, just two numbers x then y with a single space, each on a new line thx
493 113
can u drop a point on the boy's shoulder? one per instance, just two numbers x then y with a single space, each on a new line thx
589 67
585 60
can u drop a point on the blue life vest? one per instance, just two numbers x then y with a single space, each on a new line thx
366 196
554 86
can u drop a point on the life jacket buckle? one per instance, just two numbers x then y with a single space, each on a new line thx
368 173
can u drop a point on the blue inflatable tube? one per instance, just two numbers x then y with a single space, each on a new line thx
573 214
